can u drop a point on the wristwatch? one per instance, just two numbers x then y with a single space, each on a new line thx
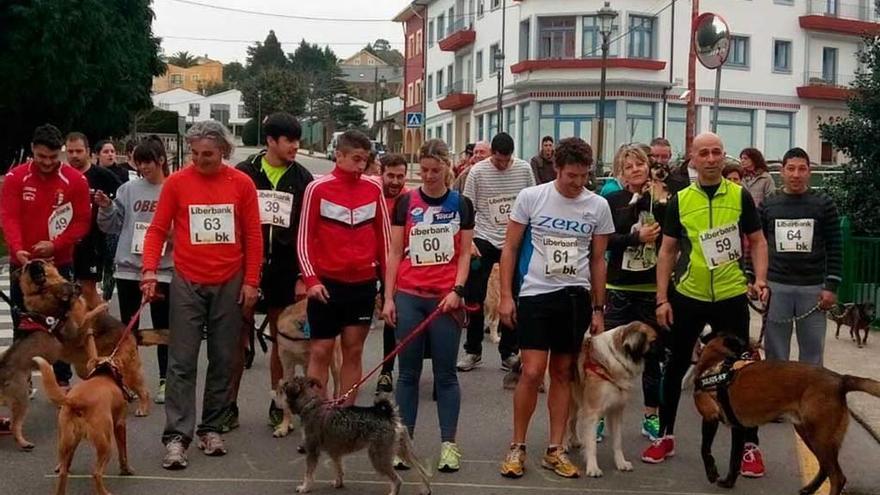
459 289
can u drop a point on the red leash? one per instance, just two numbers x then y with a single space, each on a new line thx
129 327
400 346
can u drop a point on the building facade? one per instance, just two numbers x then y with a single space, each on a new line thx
413 19
194 78
226 107
789 64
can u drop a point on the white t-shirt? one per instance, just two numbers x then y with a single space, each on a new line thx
556 250
493 192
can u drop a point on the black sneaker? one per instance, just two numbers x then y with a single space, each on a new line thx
229 421
385 384
276 414
509 362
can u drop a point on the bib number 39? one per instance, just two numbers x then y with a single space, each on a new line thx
275 208
721 245
212 224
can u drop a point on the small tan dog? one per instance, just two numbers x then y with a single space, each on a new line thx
95 409
490 305
608 365
293 351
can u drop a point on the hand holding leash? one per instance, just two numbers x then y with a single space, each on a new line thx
827 300
148 285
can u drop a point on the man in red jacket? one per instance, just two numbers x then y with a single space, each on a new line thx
45 210
209 209
342 241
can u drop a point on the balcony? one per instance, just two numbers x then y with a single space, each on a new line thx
587 63
459 95
459 35
833 16
825 86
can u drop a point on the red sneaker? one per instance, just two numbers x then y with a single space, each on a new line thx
752 462
659 450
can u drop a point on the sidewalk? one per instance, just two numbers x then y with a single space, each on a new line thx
844 357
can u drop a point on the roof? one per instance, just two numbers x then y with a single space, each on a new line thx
410 10
358 54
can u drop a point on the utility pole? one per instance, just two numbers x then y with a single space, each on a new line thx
259 118
500 65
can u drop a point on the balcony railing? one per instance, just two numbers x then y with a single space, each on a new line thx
820 78
461 23
459 87
864 11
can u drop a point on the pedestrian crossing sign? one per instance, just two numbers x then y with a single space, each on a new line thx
414 119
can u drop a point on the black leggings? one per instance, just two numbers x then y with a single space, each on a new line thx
130 300
475 289
730 316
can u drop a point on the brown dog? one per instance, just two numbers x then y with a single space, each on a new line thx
48 293
15 370
813 398
95 409
857 317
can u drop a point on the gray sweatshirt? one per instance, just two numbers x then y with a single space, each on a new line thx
129 215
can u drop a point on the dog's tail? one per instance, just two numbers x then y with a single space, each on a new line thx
857 383
50 385
406 451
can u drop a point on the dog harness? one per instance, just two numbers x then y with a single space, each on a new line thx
595 367
717 380
106 366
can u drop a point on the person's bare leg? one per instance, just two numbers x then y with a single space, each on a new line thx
559 398
353 338
534 365
320 353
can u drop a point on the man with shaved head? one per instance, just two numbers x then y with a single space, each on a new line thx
705 224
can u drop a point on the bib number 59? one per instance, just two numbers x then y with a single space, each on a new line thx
723 245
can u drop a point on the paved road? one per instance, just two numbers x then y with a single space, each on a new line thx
258 463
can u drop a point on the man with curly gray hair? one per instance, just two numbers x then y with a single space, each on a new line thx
209 212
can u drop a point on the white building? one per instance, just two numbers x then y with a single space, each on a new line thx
226 107
789 63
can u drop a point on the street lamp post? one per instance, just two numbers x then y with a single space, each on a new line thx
606 27
499 67
382 83
259 118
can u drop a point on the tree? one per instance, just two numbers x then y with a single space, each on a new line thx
93 81
382 45
274 90
213 87
234 73
266 54
857 135
183 59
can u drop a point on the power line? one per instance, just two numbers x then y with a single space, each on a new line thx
285 16
226 40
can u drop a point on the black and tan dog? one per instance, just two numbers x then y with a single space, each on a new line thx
48 293
340 431
746 394
95 409
857 316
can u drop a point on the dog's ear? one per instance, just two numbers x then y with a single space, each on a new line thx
635 342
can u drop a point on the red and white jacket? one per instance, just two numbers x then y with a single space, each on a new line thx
344 230
29 200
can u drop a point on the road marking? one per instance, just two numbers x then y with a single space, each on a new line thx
348 481
809 465
5 333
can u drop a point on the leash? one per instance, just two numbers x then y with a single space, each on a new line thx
397 350
131 323
764 309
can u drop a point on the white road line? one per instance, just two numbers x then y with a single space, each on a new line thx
6 334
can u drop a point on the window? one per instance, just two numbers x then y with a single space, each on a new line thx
639 122
562 120
525 39
441 27
481 7
641 37
371 61
165 106
449 134
480 128
430 87
496 4
739 52
781 56
195 109
676 121
410 46
592 39
220 112
735 128
438 132
450 78
430 133
830 7
479 64
452 23
419 41
409 94
242 112
417 97
493 125
177 79
777 135
493 60
431 32
556 37
439 83
829 65
194 78
784 2
510 123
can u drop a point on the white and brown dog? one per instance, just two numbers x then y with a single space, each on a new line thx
608 366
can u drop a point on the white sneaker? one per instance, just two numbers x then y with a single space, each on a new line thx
469 362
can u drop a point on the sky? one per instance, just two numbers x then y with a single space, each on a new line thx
178 21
